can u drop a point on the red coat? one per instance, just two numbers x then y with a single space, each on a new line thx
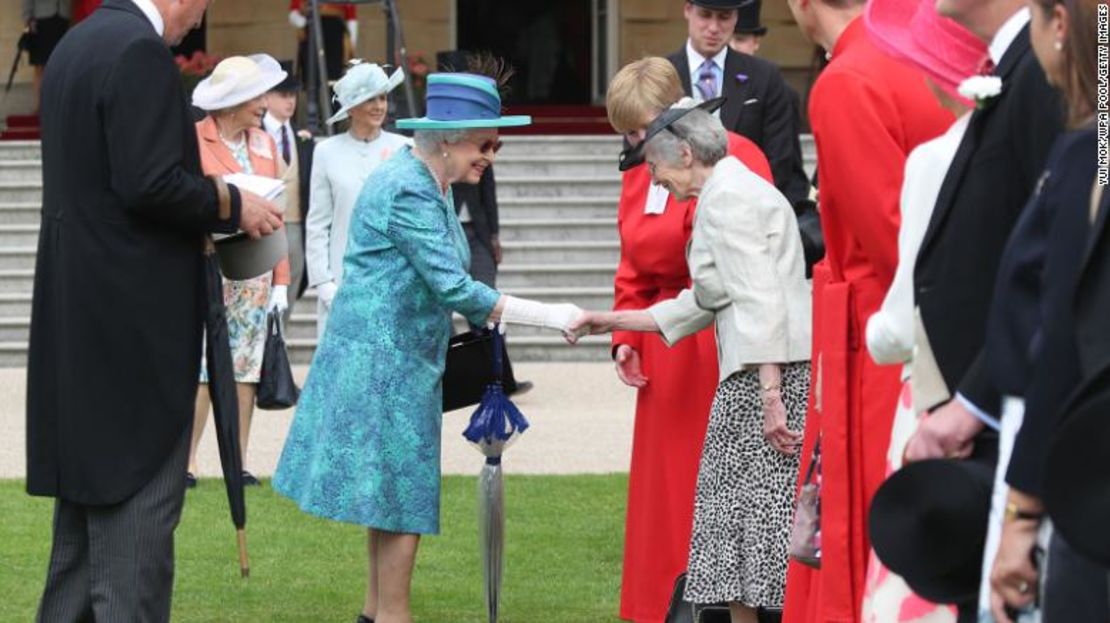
348 11
868 112
672 412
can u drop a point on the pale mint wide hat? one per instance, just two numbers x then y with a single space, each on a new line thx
458 101
362 82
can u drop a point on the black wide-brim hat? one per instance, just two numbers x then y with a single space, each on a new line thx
928 524
1077 470
747 22
632 156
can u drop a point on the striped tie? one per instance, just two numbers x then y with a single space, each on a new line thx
707 80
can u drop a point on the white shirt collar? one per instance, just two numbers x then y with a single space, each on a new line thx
1006 35
152 14
273 126
696 59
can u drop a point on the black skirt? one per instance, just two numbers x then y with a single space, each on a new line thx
48 32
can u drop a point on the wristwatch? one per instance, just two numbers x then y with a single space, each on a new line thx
1013 513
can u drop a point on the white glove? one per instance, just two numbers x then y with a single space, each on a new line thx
279 299
556 316
297 20
352 29
326 293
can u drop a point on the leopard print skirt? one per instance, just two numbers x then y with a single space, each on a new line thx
745 496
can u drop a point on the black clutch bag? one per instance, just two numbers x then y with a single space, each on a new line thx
470 369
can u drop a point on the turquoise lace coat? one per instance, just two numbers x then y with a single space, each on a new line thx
364 446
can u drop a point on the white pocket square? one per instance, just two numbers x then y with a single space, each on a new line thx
753 100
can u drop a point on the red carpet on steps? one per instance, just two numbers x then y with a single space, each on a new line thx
20 128
561 120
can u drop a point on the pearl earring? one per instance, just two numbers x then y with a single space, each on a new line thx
1059 45
444 155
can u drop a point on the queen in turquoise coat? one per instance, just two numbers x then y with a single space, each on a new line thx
364 446
365 441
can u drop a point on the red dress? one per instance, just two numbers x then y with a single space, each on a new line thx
672 412
868 112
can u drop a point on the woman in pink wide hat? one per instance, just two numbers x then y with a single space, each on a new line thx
913 32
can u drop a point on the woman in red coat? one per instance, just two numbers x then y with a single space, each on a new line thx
868 111
675 385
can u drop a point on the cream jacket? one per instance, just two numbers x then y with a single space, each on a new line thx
748 270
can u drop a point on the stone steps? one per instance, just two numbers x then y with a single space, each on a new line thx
557 197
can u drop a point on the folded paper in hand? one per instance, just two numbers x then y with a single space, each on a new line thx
265 187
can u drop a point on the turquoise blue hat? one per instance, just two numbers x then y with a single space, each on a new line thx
459 101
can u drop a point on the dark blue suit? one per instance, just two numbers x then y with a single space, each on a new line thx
1075 295
1034 301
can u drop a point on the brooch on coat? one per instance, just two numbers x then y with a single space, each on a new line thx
741 78
260 144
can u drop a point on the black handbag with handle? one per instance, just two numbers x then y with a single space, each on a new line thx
276 388
468 369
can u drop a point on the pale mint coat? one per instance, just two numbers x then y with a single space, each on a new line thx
364 446
340 166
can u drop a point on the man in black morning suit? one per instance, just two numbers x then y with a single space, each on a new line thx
116 318
758 103
476 206
992 175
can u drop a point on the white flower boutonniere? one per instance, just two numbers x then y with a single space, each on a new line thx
982 89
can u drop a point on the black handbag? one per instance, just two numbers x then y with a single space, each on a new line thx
682 611
276 388
469 369
809 227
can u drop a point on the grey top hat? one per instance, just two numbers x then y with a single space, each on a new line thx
242 257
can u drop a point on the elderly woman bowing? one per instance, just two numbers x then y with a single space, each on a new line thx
748 270
232 141
364 447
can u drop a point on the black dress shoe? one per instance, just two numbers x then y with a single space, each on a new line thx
190 480
523 387
362 618
249 480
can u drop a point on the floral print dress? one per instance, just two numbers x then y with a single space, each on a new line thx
246 307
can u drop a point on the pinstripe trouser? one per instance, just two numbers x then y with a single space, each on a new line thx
115 563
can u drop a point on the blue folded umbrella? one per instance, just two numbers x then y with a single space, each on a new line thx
495 424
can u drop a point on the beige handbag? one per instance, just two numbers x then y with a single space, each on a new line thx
805 536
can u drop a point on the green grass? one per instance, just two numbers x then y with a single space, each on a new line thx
564 539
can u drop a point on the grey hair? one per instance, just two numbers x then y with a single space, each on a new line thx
700 130
428 141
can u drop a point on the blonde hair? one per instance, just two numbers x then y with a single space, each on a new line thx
641 89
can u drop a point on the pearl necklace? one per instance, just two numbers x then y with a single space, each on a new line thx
439 182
